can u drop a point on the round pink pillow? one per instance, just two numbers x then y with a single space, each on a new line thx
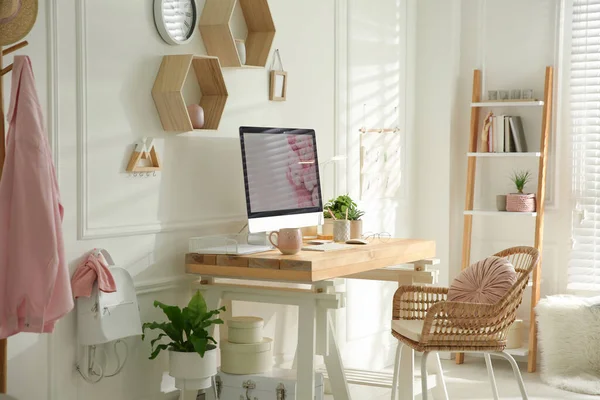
486 281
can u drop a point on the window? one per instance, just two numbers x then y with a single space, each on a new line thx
584 262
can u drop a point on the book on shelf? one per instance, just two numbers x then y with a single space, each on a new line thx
503 134
509 143
516 127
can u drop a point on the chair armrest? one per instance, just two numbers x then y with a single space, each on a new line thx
473 321
412 302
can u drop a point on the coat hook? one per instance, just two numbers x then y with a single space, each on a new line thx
154 173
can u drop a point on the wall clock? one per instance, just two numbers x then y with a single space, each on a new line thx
175 20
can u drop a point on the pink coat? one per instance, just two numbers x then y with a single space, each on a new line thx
35 290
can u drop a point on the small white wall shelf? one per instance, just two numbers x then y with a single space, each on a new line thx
533 103
499 213
529 154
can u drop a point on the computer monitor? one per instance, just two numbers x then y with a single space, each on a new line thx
281 177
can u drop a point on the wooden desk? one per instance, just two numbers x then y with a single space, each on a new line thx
312 266
316 327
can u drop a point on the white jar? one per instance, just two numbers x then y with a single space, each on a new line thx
245 330
243 359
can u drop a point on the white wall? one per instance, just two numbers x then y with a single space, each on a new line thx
437 69
511 56
95 63
379 64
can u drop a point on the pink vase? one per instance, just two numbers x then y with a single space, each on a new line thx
520 202
289 240
196 115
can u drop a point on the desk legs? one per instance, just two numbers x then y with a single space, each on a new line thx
307 315
333 363
213 300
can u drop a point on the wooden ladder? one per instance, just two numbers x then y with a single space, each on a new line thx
540 197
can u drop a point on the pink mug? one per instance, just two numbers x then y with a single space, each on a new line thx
289 240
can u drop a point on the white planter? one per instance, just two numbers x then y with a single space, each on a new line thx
245 330
243 359
192 372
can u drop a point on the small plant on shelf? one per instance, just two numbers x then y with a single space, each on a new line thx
520 179
520 201
190 347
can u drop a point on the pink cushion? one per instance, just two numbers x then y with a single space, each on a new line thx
486 281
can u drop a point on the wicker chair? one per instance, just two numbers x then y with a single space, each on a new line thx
424 321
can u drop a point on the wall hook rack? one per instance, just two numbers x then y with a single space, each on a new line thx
144 150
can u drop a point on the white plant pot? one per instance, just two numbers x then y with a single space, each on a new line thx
192 372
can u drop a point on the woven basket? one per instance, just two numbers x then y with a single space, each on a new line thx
517 202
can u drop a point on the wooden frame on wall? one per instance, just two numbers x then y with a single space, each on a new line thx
278 89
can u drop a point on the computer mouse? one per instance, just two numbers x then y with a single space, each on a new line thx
356 241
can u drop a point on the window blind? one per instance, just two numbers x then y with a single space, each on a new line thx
584 262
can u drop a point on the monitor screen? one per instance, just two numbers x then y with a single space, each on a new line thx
281 171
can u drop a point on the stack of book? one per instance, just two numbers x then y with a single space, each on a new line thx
505 135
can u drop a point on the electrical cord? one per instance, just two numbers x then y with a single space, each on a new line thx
92 354
119 365
93 363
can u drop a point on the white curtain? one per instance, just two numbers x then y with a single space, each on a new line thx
584 263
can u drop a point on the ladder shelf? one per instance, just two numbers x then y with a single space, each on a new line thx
473 154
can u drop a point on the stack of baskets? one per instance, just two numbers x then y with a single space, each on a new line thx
246 351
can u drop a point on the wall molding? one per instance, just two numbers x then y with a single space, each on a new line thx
341 95
157 227
163 284
53 134
84 229
53 87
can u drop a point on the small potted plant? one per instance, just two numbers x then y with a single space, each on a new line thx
520 202
339 208
192 351
354 215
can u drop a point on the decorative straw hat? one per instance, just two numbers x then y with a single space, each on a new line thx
16 19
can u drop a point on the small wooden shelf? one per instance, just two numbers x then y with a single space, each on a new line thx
480 154
499 213
167 91
514 103
218 37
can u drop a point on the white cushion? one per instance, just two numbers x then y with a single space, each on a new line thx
410 329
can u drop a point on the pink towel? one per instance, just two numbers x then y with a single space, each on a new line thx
94 268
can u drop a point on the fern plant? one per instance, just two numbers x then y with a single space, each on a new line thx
186 328
520 179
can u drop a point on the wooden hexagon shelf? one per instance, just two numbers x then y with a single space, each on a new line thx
219 40
168 97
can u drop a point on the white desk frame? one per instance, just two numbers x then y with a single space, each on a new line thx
317 305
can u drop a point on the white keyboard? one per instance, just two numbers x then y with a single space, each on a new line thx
327 247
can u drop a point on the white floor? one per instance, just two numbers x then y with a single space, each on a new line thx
470 381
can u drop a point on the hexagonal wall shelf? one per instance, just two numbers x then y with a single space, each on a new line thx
219 40
168 85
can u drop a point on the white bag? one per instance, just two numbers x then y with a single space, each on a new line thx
278 384
104 317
